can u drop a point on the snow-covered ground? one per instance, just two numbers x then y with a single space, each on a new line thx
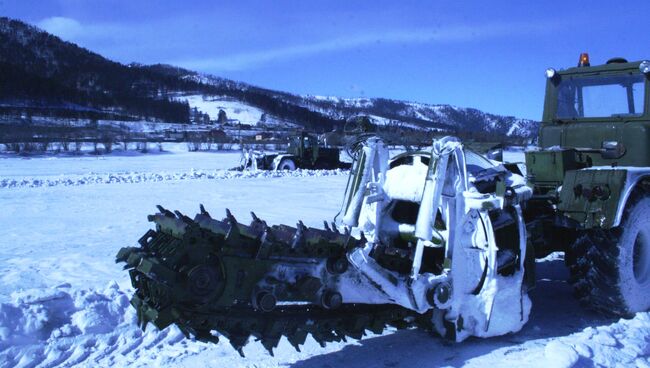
174 158
64 302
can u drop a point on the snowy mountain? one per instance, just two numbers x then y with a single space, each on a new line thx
43 76
383 111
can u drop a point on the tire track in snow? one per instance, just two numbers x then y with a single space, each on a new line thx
148 177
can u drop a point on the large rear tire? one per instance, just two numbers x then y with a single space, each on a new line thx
610 271
287 164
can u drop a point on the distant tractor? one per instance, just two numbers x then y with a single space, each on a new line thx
304 151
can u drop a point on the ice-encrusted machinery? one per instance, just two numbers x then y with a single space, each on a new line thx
434 239
443 239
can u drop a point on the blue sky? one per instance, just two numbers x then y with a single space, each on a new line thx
490 55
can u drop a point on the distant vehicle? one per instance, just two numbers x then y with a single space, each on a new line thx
303 152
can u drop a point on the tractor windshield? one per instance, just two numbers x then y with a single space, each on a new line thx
600 97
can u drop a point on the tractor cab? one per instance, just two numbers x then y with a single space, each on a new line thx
599 111
594 116
307 152
304 146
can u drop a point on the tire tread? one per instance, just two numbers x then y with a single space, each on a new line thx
594 269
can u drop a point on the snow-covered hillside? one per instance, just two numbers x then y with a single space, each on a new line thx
64 302
60 81
423 115
408 114
237 112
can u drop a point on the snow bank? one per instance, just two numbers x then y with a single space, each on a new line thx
142 177
625 343
57 326
63 327
560 355
91 328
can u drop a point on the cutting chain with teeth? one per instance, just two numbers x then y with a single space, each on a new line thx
222 278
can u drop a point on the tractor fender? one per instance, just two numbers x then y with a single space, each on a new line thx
595 197
635 176
280 157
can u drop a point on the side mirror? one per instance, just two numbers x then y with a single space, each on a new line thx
612 150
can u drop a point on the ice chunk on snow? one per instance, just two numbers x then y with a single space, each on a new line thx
100 312
605 338
33 314
560 355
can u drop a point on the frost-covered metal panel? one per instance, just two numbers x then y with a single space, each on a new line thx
469 288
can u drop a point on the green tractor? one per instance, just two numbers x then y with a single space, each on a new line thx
304 151
591 181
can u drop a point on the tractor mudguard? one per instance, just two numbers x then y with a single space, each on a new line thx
596 197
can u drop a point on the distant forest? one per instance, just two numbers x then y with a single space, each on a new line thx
38 67
61 79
